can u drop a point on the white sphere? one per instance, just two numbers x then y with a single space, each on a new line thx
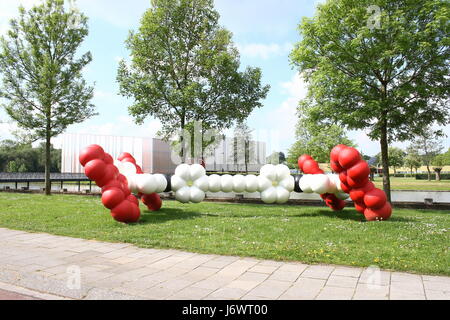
239 183
196 195
131 178
214 183
269 195
333 187
177 183
341 195
128 168
202 183
288 183
161 182
146 183
282 171
320 183
226 183
183 171
263 183
196 171
304 183
251 183
183 195
269 171
118 164
282 194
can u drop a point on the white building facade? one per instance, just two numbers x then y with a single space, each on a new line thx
155 155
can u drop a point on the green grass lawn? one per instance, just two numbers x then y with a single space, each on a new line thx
412 240
398 183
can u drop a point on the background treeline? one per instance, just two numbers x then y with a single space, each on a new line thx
22 157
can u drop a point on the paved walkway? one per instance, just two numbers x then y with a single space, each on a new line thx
63 267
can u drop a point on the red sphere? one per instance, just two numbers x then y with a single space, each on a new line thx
133 199
152 201
108 159
360 206
112 184
310 166
375 198
343 176
123 211
382 213
110 173
345 187
339 205
336 167
90 153
349 157
95 169
124 155
359 171
302 159
357 194
135 213
129 159
334 154
112 197
357 184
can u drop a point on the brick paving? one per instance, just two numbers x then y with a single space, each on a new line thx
56 267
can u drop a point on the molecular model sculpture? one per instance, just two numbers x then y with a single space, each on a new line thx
120 179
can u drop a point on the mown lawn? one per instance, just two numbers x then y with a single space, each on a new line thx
412 240
398 183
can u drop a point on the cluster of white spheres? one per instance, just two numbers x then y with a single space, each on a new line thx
322 183
144 183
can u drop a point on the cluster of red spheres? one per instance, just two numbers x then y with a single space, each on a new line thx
309 166
354 175
116 195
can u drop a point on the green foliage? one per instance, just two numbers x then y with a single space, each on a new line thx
276 158
412 158
442 160
185 67
22 157
41 72
396 157
316 139
391 80
243 146
42 82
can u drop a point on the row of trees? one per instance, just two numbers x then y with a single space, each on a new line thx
184 68
22 157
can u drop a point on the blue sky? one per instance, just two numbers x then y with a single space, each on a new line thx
264 31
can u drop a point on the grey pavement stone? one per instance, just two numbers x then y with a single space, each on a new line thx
39 262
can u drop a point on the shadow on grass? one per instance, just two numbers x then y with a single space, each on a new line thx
169 214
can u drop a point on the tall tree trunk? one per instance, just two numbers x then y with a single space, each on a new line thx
47 161
429 172
385 159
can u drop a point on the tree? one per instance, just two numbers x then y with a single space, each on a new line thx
439 162
315 138
42 82
396 158
243 147
412 159
429 145
184 67
378 65
276 158
27 158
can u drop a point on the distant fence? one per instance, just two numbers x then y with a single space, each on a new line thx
36 177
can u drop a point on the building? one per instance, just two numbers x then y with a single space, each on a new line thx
155 155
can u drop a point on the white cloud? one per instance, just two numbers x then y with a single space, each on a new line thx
264 51
9 9
277 126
